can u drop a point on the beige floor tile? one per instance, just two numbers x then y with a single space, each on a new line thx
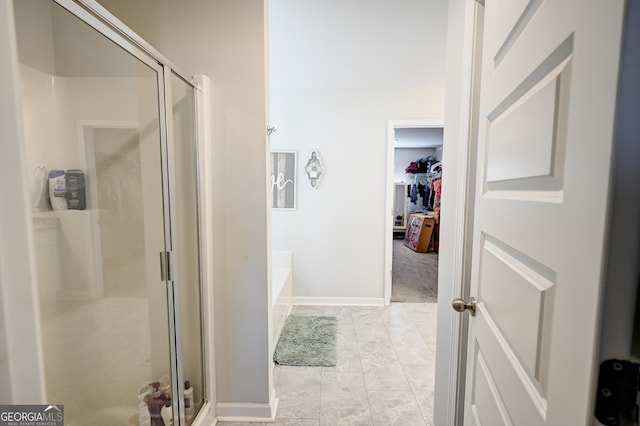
385 372
395 408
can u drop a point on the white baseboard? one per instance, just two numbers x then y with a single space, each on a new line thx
346 301
248 412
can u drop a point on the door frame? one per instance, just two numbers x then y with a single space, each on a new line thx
458 157
22 366
392 125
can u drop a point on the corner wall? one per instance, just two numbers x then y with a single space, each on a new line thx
225 40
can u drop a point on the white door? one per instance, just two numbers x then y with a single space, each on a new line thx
547 101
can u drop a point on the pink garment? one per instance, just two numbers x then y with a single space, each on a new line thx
437 186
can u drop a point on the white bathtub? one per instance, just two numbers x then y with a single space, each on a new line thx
281 283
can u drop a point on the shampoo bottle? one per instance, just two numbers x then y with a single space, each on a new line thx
188 397
167 413
144 417
145 395
57 190
156 405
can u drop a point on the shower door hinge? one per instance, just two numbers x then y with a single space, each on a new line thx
166 270
617 398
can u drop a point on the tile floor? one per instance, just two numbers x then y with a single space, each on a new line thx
384 376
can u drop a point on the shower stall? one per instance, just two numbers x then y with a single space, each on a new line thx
110 139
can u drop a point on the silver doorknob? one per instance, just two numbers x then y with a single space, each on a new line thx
459 305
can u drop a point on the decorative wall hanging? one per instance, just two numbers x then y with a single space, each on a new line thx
314 169
283 180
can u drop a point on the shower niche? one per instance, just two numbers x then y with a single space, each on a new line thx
118 274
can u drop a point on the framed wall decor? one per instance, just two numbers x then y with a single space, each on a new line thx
283 180
314 169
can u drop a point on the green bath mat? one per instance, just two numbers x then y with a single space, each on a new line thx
307 341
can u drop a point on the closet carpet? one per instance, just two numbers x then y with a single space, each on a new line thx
414 275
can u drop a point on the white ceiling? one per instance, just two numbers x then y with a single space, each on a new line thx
418 137
357 44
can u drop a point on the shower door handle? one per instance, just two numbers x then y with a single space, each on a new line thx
166 271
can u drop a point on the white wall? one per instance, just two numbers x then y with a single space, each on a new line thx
339 71
36 47
337 232
404 156
357 44
226 41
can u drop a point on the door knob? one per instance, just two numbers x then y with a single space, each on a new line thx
459 305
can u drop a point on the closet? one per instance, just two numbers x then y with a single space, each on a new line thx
424 192
110 127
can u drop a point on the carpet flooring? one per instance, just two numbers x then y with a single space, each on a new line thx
414 275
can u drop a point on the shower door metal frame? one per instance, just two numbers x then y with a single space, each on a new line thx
113 29
172 287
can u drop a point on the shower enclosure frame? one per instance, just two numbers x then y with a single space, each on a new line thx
113 29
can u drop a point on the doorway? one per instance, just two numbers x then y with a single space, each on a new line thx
414 151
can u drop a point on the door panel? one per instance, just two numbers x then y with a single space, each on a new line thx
547 101
523 398
515 292
488 406
526 131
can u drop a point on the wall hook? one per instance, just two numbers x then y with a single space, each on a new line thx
270 129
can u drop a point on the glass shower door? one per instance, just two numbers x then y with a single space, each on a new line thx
94 142
185 195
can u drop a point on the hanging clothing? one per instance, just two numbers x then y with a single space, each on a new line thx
425 197
437 189
411 168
